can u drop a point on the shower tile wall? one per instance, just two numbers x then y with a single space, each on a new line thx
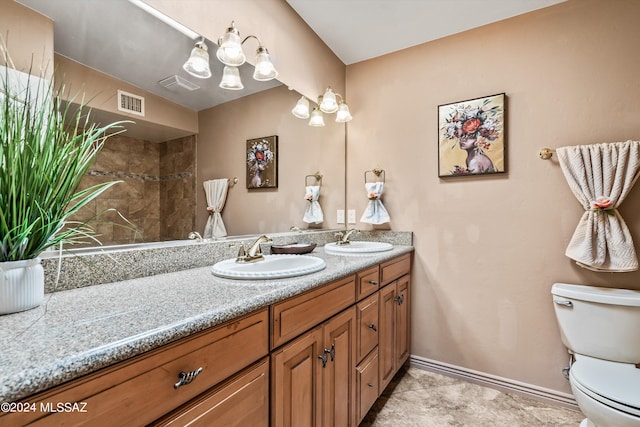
177 188
152 175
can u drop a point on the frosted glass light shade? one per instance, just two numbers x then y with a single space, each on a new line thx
230 48
198 63
316 118
231 79
264 69
301 110
329 103
343 115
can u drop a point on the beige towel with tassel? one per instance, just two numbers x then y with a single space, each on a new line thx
601 176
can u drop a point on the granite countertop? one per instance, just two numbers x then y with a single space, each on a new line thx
79 331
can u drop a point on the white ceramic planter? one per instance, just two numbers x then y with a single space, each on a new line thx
21 285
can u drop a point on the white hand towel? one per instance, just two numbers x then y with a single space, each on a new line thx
375 213
313 212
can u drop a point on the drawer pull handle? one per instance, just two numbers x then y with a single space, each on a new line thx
373 327
400 299
185 378
370 385
374 282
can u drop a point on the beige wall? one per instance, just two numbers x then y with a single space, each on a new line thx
489 248
28 37
303 150
304 62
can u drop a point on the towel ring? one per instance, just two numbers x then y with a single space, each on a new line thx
377 172
232 181
317 176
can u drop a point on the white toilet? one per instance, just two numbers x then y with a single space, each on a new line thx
601 328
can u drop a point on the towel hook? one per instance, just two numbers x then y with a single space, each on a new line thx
546 153
377 172
317 176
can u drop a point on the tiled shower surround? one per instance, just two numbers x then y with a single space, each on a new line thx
155 200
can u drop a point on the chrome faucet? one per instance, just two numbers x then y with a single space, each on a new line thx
195 235
254 253
343 238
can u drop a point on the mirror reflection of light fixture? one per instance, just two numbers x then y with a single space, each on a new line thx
230 53
301 110
329 103
231 78
198 63
316 118
343 115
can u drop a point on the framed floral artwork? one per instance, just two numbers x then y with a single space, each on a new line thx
471 137
262 162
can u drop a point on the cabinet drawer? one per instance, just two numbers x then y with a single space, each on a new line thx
366 384
292 317
141 390
241 401
367 282
367 325
395 268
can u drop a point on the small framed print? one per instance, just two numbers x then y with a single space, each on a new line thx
471 137
262 162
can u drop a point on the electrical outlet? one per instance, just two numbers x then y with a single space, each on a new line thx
352 216
340 216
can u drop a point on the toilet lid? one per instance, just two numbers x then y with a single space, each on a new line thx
618 382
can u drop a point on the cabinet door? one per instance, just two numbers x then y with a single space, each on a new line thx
338 374
387 334
296 383
403 317
241 401
367 326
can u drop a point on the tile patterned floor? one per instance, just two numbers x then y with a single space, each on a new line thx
418 398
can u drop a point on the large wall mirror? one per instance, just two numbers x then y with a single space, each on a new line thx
163 167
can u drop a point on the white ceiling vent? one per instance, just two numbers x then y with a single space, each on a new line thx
130 103
177 81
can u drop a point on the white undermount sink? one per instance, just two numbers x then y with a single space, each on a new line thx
357 248
271 267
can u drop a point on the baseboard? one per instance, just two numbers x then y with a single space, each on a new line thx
503 384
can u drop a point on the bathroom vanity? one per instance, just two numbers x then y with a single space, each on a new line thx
311 350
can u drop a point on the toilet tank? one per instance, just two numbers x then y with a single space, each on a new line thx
599 322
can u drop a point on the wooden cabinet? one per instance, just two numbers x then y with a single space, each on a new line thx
367 385
318 359
240 401
296 315
394 328
313 377
144 388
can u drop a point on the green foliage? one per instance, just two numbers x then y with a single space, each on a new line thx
46 147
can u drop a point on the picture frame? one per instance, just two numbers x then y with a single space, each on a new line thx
471 137
262 162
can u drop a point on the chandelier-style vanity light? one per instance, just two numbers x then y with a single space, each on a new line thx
230 53
329 103
198 63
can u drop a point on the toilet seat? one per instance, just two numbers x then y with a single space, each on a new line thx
613 384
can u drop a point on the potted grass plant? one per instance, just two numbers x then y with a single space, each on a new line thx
47 145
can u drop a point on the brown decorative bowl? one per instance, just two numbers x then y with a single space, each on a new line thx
293 248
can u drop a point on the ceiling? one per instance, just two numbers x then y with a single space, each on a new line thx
357 30
121 40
